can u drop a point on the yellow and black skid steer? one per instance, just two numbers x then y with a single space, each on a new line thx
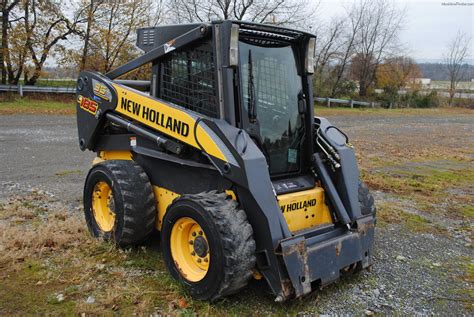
220 152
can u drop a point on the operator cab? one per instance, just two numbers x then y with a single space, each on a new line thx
273 98
269 69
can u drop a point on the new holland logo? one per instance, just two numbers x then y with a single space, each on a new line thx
298 205
169 46
151 115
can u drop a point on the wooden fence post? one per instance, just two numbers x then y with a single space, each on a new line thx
328 100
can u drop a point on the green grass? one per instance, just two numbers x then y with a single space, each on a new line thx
37 106
67 172
54 83
322 110
466 86
65 105
60 257
423 180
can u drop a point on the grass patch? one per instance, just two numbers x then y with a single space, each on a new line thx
36 106
56 83
344 111
430 189
422 180
393 213
67 172
464 271
50 264
467 211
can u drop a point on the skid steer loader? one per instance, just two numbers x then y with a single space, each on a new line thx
221 154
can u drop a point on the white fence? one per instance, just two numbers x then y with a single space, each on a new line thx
351 103
21 89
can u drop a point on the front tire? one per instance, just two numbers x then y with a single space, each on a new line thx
119 204
208 244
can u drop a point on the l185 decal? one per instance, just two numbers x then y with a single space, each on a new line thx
87 104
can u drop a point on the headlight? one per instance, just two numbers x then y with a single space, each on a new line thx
234 45
310 55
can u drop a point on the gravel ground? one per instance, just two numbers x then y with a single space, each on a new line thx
412 273
41 151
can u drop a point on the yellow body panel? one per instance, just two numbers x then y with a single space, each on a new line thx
115 155
164 198
304 209
164 118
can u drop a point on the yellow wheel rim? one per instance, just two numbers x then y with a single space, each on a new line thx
103 206
190 249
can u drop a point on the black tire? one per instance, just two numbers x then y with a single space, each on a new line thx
133 199
367 207
366 200
230 243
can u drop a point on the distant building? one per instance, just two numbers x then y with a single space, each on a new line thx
424 82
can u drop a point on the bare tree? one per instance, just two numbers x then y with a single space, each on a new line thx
328 48
455 57
355 14
46 25
281 12
111 38
6 8
90 10
380 24
158 12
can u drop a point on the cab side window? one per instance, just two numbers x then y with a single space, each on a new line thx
189 79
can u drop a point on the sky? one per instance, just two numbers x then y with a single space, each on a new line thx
429 25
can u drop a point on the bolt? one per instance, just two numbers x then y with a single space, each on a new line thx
200 233
191 242
199 260
193 253
194 234
206 260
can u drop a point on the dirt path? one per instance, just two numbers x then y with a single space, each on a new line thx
423 251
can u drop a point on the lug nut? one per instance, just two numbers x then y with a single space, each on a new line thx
199 260
206 260
200 233
193 253
194 234
191 242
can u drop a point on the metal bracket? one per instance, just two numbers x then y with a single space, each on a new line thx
296 260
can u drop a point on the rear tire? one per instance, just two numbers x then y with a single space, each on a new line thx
367 207
366 200
128 215
229 244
